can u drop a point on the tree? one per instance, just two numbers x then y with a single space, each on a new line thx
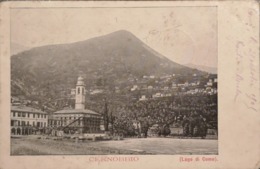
105 115
145 125
112 121
164 130
124 126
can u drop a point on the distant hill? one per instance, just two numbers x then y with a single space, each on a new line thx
106 60
208 69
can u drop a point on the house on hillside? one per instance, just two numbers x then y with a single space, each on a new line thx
135 87
73 92
143 98
15 101
156 95
150 87
174 85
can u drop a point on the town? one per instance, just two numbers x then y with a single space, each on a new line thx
169 106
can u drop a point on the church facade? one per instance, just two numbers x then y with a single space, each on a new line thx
80 119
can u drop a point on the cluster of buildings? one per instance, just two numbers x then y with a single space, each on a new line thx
168 86
27 120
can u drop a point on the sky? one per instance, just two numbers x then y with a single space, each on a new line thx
186 35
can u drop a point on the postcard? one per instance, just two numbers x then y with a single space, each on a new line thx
121 84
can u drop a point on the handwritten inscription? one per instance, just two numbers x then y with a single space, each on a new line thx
252 101
239 61
244 54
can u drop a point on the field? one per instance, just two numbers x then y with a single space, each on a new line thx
138 146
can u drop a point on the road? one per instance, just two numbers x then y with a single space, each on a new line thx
164 145
171 146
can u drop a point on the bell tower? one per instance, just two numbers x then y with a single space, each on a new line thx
80 94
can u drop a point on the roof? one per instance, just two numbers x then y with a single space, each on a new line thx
51 117
80 81
26 109
76 111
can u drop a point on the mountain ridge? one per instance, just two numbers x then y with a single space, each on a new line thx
208 69
109 60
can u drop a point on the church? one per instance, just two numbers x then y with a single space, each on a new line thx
79 119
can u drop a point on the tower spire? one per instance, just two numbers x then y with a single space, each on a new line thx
80 94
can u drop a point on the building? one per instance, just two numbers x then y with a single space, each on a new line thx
80 94
143 98
26 120
54 122
135 87
156 95
73 92
150 87
79 119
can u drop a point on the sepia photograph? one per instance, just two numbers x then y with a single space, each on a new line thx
114 81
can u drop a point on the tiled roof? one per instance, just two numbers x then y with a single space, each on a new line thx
75 111
26 109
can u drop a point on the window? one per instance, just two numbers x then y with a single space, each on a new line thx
41 115
28 123
23 114
28 114
33 123
19 114
78 90
18 123
13 114
33 115
38 115
82 90
12 123
45 116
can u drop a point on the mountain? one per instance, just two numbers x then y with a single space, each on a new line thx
208 69
109 60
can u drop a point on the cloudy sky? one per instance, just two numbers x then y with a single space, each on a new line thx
186 35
